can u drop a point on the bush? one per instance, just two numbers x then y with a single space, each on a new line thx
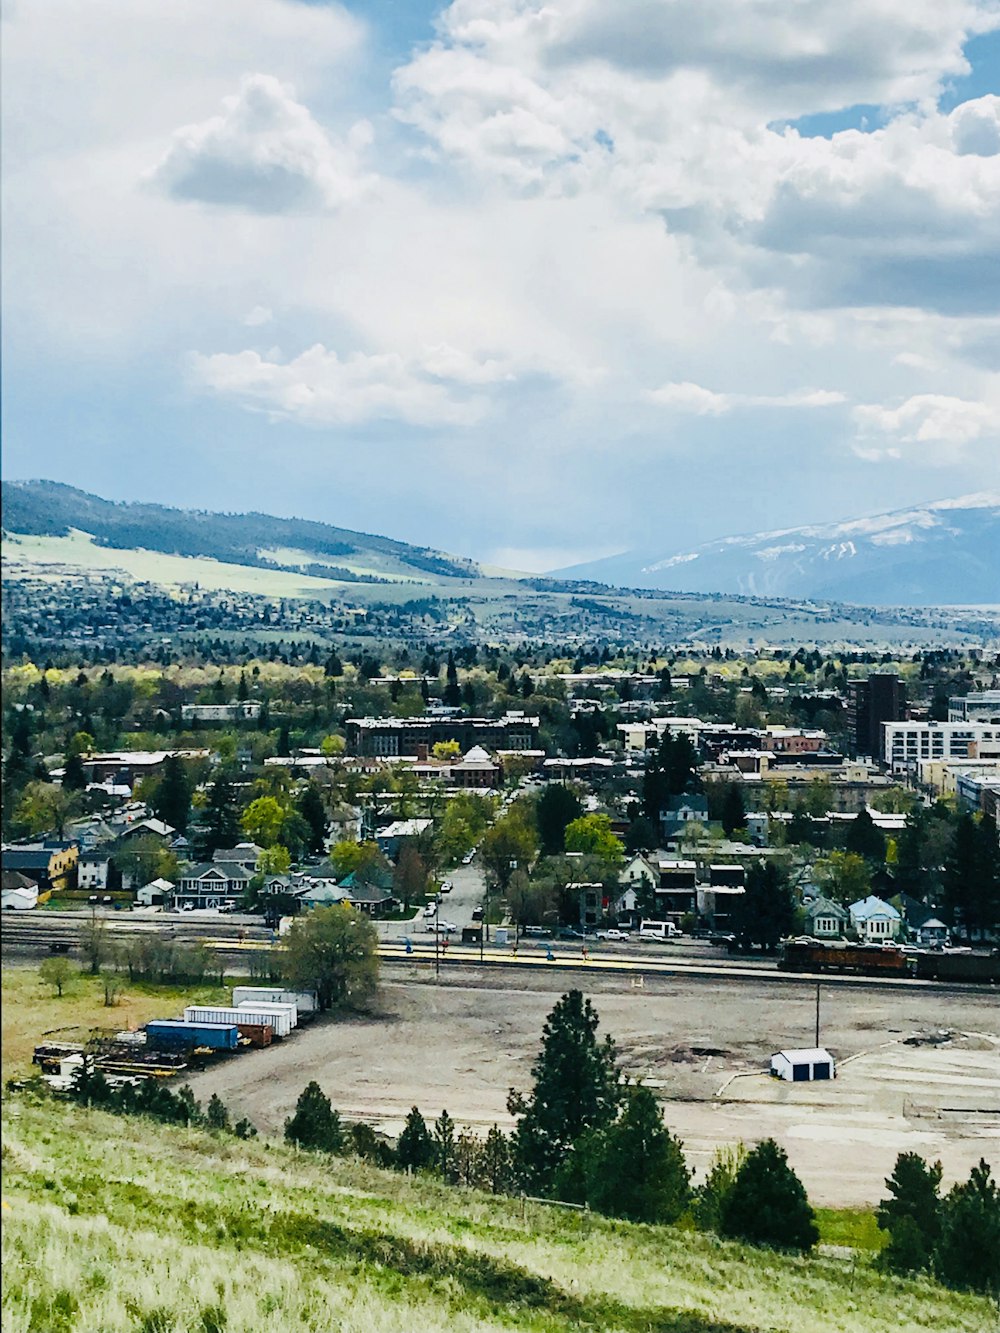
968 1252
315 1124
710 1197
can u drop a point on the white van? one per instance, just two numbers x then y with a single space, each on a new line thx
659 930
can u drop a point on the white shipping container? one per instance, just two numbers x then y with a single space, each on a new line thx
273 1007
281 1023
304 1001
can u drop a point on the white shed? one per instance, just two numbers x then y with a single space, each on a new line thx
803 1066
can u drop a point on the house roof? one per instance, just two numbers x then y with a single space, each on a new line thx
155 826
807 1055
869 907
826 907
13 879
212 870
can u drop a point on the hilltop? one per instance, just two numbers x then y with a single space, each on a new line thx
946 554
125 1225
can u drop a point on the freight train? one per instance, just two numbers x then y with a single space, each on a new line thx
877 960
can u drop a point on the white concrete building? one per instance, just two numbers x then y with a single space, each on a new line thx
905 744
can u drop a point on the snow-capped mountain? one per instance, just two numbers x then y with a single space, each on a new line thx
942 554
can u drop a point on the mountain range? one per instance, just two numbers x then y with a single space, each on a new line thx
946 553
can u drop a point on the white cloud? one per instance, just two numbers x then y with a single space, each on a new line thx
265 153
936 428
688 397
260 314
320 388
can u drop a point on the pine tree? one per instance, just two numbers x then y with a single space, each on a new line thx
767 1204
912 1213
315 1124
960 876
74 777
444 1146
216 1114
171 801
452 694
220 821
968 1252
415 1147
865 838
555 809
576 1090
495 1162
733 810
635 1168
313 811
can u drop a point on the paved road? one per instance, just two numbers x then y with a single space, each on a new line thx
456 907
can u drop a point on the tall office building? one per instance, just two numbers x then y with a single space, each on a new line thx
880 698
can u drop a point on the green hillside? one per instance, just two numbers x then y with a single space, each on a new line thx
51 509
116 1225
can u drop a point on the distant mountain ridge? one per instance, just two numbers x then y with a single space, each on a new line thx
946 553
50 508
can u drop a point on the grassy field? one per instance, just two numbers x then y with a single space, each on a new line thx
117 1225
32 1012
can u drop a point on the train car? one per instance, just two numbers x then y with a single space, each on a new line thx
947 966
860 959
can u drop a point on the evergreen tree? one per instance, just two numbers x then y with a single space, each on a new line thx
961 871
74 778
415 1147
911 1214
865 838
242 690
310 806
452 694
576 1090
469 696
220 822
767 1204
635 1168
495 1162
333 666
555 809
216 1114
733 810
315 1124
444 1146
968 1252
765 912
171 800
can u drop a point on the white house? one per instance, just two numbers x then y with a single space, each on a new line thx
804 1066
875 921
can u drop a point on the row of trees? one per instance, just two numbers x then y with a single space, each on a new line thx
956 1237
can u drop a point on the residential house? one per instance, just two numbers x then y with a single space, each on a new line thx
691 808
933 934
390 840
676 890
92 871
149 828
19 892
371 892
154 894
875 921
50 863
244 856
209 885
825 919
245 710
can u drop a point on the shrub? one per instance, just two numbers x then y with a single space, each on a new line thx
968 1252
315 1124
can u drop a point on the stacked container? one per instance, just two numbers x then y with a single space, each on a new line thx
281 1021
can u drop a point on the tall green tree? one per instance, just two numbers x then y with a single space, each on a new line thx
220 822
968 1251
911 1214
334 952
576 1090
312 809
635 1168
865 838
765 912
444 1147
415 1147
171 800
767 1204
315 1124
555 809
961 871
734 814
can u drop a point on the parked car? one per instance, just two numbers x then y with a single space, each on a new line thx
570 933
613 934
537 932
467 859
447 886
722 939
477 914
441 927
430 909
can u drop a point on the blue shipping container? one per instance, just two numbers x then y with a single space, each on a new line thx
172 1034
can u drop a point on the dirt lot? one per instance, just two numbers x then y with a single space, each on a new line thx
461 1044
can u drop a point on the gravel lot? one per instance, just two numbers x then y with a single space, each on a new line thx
463 1042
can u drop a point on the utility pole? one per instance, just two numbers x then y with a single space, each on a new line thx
437 937
816 1043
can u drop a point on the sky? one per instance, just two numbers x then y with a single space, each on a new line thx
528 280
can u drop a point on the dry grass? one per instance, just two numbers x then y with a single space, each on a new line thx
119 1225
33 1013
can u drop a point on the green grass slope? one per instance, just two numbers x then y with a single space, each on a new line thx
126 1227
